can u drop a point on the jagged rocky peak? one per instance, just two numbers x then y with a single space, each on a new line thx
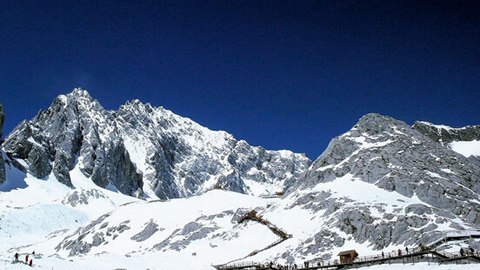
144 151
373 131
373 123
137 107
75 129
445 134
390 154
396 157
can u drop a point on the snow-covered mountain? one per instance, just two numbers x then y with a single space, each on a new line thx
144 151
382 185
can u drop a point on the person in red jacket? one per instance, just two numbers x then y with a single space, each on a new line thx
30 263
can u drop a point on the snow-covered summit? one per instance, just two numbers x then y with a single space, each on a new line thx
144 151
396 157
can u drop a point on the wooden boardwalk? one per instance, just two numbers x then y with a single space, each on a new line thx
254 216
414 257
423 254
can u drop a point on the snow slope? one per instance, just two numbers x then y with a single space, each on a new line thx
469 148
188 233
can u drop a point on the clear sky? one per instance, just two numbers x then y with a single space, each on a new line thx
284 75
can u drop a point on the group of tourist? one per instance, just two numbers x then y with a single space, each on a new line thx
465 252
28 260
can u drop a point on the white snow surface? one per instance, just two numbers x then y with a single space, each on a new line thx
39 216
466 148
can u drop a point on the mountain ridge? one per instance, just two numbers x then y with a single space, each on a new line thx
445 134
178 157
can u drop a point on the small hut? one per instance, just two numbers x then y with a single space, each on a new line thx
348 256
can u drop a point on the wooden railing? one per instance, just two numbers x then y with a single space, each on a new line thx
413 255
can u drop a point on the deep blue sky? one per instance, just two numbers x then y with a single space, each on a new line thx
284 75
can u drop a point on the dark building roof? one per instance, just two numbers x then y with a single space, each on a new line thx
348 252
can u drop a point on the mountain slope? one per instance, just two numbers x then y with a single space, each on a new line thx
395 157
380 185
140 150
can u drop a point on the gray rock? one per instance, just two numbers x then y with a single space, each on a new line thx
192 231
118 169
97 239
75 242
150 228
79 197
447 135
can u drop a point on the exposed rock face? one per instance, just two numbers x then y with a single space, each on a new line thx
150 228
465 140
139 149
390 154
83 197
445 134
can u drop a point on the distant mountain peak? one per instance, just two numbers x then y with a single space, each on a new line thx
373 123
80 92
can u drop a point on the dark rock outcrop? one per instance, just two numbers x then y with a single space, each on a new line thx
445 134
